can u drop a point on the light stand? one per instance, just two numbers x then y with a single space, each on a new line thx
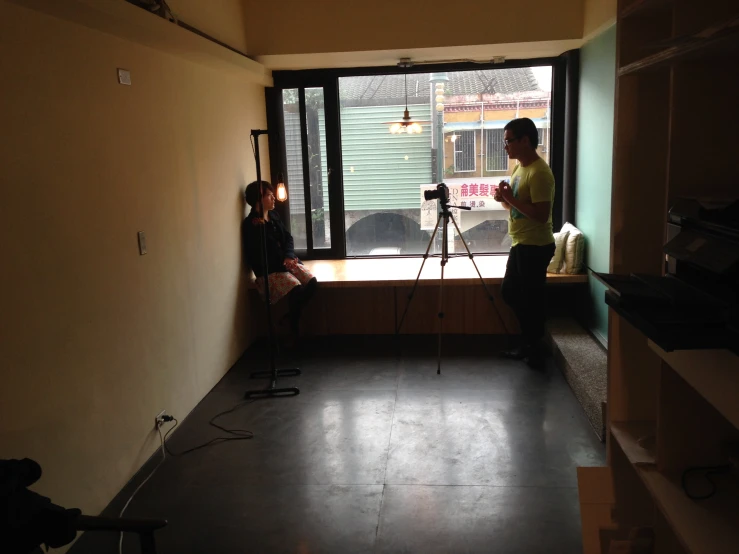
273 373
445 215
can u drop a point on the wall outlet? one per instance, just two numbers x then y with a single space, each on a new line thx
159 419
124 76
142 243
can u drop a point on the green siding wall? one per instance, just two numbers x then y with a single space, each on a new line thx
382 178
594 167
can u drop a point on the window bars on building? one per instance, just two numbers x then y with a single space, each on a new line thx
496 158
464 152
544 140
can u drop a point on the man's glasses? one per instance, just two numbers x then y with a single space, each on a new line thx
508 141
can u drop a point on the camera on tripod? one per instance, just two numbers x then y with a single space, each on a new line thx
441 193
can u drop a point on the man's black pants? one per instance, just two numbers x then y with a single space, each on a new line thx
523 288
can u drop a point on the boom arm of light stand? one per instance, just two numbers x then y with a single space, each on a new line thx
281 189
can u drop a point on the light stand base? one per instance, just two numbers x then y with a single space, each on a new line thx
271 393
291 372
272 390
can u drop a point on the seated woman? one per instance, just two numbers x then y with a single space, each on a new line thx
287 275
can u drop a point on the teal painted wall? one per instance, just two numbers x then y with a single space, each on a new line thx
594 168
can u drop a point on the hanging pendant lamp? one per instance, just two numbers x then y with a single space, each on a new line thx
405 124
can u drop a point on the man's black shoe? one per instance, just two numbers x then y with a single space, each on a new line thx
519 353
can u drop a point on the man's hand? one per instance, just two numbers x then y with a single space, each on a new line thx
537 212
498 194
506 192
290 263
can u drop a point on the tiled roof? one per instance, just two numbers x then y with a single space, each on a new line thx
378 90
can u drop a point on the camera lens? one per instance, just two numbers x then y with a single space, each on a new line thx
431 194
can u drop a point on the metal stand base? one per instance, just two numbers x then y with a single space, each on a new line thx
272 391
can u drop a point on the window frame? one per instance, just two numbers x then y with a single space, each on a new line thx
329 80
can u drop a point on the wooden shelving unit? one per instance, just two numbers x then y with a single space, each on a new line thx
637 7
677 100
707 42
638 441
708 526
714 374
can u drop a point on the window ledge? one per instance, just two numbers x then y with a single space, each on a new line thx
384 272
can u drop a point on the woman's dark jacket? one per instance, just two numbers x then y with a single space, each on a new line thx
279 243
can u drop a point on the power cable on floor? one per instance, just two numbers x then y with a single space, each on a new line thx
130 498
237 434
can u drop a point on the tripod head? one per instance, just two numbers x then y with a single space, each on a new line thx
441 193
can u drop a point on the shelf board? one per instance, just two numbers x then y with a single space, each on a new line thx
637 440
642 6
702 526
714 374
129 22
723 37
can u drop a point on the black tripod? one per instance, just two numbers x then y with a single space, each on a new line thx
442 193
273 373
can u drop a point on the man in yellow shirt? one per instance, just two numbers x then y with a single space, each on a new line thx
528 198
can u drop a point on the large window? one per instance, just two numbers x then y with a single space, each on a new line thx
383 174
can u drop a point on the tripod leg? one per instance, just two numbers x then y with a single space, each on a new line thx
413 290
487 291
444 259
441 318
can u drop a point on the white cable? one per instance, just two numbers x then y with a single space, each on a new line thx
164 456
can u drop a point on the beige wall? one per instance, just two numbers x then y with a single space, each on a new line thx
222 19
97 339
300 26
599 14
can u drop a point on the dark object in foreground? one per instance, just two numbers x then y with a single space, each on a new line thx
32 520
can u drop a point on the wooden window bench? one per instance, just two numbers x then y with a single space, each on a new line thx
369 296
382 272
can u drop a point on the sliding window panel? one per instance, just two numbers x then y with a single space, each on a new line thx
315 163
294 163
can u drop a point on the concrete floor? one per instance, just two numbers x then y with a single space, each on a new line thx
377 454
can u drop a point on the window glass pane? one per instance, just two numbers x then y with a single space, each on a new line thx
461 116
294 152
315 120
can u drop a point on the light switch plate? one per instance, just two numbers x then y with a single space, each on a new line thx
124 76
142 243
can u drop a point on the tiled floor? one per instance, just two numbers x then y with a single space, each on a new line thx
378 453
